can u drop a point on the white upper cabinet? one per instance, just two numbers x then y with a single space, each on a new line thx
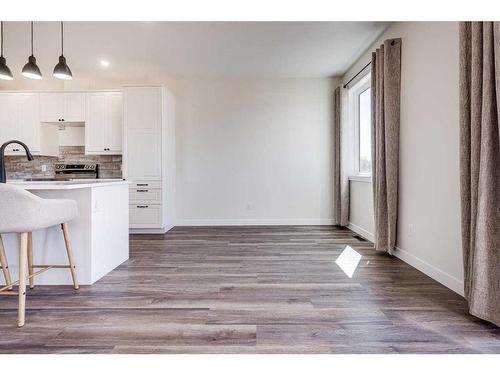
29 123
103 128
9 116
59 106
114 129
19 120
74 107
51 107
95 124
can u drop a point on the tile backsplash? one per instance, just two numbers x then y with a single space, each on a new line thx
110 166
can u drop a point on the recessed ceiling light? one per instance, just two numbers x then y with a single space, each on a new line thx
104 63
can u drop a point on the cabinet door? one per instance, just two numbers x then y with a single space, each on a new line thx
114 126
145 215
95 124
74 107
51 107
143 109
28 107
143 156
9 129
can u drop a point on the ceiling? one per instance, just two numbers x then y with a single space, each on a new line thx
143 50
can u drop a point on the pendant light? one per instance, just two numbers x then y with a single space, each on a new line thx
31 70
5 72
62 70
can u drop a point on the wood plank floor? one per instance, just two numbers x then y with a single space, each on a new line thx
249 290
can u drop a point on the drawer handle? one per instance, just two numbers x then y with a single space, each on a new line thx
142 206
142 184
142 190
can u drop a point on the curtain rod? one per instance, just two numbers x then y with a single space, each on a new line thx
357 74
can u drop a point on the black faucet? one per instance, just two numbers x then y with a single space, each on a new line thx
3 176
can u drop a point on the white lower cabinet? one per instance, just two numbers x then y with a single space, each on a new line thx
145 195
145 215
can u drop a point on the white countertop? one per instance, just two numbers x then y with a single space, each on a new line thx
66 185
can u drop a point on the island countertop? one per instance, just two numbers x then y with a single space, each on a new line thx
66 185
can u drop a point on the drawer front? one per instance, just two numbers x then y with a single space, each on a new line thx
142 195
145 216
146 184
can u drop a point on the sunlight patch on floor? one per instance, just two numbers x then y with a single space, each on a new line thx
348 261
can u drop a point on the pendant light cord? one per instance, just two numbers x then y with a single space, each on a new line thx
31 38
62 39
1 48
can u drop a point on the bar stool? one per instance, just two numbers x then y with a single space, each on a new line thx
23 212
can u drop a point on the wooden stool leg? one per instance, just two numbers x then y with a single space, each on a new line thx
30 259
4 264
23 258
69 250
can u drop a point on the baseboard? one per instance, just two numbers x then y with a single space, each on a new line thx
147 230
253 222
433 272
362 232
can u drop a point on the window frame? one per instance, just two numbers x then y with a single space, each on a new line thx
354 92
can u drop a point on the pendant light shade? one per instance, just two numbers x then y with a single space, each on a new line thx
31 70
5 72
62 70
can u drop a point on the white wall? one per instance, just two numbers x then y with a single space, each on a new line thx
429 205
361 218
248 151
254 151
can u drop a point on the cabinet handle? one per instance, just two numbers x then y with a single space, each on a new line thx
142 184
142 191
142 206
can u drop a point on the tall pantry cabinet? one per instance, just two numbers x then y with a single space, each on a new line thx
149 157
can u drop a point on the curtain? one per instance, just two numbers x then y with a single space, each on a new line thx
480 166
341 158
386 88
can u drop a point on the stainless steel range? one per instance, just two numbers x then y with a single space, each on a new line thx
76 171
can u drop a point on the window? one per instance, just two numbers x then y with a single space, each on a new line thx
365 133
360 108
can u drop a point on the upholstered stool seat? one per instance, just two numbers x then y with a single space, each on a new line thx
23 212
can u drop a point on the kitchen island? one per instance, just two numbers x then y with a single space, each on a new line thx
99 234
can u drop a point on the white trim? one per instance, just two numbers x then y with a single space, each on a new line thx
240 222
442 277
361 178
21 91
433 272
147 230
362 232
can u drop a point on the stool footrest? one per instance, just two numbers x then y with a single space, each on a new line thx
50 266
9 293
44 268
